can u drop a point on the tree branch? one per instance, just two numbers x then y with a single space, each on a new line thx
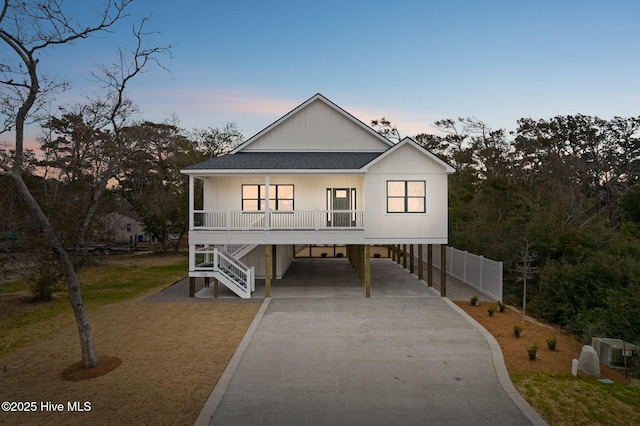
66 32
5 6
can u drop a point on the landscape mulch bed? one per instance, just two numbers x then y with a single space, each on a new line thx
514 349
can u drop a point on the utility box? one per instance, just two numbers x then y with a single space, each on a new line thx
613 352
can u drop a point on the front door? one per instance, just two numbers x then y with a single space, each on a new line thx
341 199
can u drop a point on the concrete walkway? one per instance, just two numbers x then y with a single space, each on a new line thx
403 357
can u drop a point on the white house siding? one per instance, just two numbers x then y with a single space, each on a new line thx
326 236
284 257
406 163
318 127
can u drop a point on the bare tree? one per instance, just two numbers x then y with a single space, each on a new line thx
526 271
30 29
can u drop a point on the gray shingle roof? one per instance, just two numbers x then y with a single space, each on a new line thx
287 161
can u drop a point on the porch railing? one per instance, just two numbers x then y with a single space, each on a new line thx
274 219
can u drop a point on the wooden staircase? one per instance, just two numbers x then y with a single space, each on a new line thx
227 269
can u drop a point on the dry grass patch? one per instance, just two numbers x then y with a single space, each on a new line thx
110 279
172 356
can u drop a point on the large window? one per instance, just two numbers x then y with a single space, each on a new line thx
254 197
406 196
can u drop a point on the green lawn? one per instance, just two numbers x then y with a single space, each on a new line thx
567 400
23 322
112 284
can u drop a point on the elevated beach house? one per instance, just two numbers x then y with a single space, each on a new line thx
316 176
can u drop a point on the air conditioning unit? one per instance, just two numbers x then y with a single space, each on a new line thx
613 352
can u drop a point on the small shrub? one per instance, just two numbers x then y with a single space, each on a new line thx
46 280
533 352
377 255
517 330
501 306
491 310
339 254
323 254
552 343
475 301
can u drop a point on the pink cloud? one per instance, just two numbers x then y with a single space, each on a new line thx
196 107
236 101
407 123
248 103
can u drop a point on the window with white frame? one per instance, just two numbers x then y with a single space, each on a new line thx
406 196
254 197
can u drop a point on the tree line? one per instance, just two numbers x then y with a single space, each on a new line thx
83 171
560 196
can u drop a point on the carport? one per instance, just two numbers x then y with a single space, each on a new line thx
359 257
318 277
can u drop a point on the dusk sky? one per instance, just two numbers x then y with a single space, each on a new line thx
414 62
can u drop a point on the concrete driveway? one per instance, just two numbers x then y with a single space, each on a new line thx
387 360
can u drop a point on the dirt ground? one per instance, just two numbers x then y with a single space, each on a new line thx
514 349
171 355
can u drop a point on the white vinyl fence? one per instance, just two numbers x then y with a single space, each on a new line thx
485 275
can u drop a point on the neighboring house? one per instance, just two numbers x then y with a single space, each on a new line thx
117 229
317 175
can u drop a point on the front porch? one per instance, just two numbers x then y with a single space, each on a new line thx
293 220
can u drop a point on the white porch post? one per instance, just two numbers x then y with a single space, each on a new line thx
192 257
192 206
267 197
192 247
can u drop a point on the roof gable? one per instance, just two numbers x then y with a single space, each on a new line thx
405 161
316 125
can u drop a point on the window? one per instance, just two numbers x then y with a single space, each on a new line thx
280 197
406 196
